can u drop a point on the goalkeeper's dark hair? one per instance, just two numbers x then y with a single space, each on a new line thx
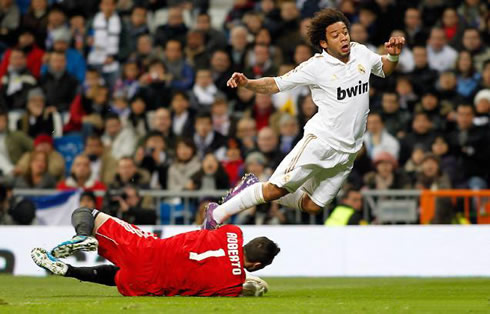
261 250
322 19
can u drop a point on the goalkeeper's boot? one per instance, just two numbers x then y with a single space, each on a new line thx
209 222
77 243
44 259
247 180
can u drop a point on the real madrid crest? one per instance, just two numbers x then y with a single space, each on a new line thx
361 68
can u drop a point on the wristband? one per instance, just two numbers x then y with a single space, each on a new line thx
393 58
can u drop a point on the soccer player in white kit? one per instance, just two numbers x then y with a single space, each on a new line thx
313 172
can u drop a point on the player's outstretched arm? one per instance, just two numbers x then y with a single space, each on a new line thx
265 85
393 47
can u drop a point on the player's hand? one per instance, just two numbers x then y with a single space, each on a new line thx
394 45
237 80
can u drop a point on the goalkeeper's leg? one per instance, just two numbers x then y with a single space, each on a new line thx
103 274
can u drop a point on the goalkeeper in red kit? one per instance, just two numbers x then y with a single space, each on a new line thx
196 263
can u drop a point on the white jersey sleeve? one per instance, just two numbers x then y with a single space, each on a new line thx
301 75
376 62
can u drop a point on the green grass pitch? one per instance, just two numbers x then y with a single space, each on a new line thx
286 295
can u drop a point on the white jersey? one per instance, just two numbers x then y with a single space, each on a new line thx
341 92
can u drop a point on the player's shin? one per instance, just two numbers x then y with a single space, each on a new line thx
103 274
249 197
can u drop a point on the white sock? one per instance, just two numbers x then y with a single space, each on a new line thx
247 198
292 200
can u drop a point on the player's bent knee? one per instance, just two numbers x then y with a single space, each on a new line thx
272 192
309 206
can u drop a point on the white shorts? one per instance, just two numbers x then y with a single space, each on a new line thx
316 168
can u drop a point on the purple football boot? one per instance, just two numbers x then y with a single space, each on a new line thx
209 222
247 180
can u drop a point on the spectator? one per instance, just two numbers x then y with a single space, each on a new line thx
153 157
432 178
263 65
59 85
395 119
221 71
377 139
245 99
359 34
75 63
128 173
36 19
56 162
79 32
162 123
182 115
447 162
233 163
414 165
130 208
262 110
272 15
39 119
238 47
185 165
482 108
136 26
128 85
467 76
263 37
145 52
155 85
204 92
222 122
88 110
34 54
80 177
473 12
253 21
102 164
195 51
37 175
386 176
246 133
182 74
13 144
470 146
211 176
255 163
453 27
348 211
288 133
9 22
175 29
268 145
435 110
406 94
421 135
472 42
214 39
440 55
121 140
137 117
447 86
107 41
288 35
422 77
17 82
414 28
56 24
206 139
236 13
485 82
307 110
88 199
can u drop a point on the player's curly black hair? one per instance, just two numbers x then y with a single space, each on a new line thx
320 22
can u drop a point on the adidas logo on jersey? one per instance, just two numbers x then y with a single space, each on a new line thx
352 91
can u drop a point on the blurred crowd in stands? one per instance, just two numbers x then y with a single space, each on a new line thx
142 83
